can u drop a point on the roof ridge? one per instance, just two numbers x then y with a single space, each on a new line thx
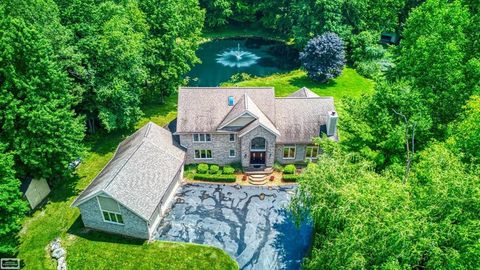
123 165
165 151
319 97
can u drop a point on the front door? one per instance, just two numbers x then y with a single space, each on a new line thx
257 158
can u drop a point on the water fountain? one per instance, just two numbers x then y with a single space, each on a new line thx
237 58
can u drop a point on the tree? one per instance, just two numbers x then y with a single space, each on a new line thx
432 55
466 130
173 37
217 12
12 206
36 119
368 220
323 57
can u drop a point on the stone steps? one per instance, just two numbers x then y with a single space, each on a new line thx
257 179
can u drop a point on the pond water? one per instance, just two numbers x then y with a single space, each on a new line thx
252 224
223 58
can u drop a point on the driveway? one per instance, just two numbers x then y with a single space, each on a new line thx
251 224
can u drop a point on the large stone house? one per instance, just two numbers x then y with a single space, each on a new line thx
251 126
130 195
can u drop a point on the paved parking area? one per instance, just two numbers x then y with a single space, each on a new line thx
252 224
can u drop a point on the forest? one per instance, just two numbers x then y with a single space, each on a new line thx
401 189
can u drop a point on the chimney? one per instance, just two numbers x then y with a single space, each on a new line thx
332 118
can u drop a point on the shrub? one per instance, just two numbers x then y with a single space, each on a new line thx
290 177
202 168
278 167
369 69
228 170
323 57
214 169
289 169
215 177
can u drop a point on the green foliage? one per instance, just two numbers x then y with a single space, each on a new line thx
466 131
214 169
369 220
290 177
218 12
289 169
277 167
228 170
173 37
215 177
432 54
202 168
12 206
36 118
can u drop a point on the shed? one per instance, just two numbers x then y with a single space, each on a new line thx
34 190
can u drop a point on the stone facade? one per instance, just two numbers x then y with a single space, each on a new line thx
133 226
220 147
246 140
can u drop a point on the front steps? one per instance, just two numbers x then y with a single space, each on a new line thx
258 179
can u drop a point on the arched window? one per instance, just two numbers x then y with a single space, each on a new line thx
258 144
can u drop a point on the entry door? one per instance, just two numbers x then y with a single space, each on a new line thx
257 158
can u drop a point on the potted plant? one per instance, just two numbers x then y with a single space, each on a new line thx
272 178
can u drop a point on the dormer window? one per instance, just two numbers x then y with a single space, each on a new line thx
231 101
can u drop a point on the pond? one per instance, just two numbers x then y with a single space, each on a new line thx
223 58
252 224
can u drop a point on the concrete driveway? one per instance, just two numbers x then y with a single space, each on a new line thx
250 223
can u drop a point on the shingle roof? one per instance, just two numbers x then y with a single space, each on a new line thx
203 109
140 172
303 92
299 119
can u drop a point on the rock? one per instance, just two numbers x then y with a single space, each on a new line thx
61 264
58 253
55 244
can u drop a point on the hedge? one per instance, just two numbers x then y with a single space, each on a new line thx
215 177
290 177
228 170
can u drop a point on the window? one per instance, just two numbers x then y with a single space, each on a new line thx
258 144
231 153
232 137
203 154
311 152
202 137
110 210
288 152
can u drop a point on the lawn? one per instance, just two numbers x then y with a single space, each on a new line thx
92 250
349 84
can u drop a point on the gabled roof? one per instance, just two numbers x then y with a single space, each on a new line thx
303 93
300 119
246 105
203 109
138 175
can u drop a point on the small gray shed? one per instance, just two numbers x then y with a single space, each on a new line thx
34 190
130 195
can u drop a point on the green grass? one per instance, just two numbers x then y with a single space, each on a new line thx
92 250
349 84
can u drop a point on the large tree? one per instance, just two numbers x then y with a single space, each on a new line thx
173 38
12 206
36 119
111 37
323 57
432 54
367 220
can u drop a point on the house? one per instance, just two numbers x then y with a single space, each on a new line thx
251 126
35 191
130 195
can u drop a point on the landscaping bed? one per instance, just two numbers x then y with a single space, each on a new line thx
213 173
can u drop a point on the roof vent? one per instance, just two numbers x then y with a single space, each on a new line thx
231 101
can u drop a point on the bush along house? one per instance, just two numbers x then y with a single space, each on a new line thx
251 126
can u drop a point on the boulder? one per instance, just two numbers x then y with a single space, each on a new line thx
58 253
